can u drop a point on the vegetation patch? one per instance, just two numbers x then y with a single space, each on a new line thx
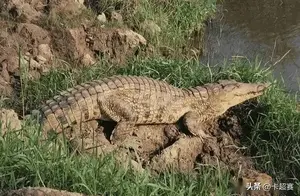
174 28
274 130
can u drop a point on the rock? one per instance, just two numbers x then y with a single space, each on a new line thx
33 74
35 52
27 56
88 60
33 33
44 51
4 36
81 2
78 41
44 70
23 11
69 8
102 18
9 120
40 59
75 45
11 59
189 148
252 177
40 191
150 28
132 38
5 88
33 64
29 14
4 73
116 17
116 44
33 40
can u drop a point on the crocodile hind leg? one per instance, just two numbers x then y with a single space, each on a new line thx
121 112
122 131
195 125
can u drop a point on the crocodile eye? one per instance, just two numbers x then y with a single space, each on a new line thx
230 87
216 90
203 92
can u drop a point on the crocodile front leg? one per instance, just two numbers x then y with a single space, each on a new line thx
195 125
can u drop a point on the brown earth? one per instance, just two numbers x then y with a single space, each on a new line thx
162 147
8 121
35 32
158 148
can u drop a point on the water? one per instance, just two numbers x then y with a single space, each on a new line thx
268 28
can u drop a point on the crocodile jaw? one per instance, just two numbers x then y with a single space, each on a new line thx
234 94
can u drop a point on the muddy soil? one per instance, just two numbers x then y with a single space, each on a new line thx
34 38
160 148
163 147
27 43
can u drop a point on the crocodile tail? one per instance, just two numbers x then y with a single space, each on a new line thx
81 102
72 106
77 104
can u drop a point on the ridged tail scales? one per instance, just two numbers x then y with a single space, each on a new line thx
77 104
72 106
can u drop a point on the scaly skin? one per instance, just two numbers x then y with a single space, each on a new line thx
136 100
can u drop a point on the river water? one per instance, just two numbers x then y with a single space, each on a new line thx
268 28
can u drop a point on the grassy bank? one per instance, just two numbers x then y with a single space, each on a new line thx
174 28
181 24
274 131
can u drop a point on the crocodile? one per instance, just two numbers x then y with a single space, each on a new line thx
140 100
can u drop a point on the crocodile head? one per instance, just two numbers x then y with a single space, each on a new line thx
228 93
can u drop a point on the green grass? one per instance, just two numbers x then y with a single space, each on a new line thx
25 163
273 138
180 21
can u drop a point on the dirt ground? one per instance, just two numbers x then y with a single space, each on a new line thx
33 39
27 43
163 147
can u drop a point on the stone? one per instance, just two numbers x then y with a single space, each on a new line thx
41 59
116 17
102 18
9 120
33 64
44 51
87 60
150 28
4 73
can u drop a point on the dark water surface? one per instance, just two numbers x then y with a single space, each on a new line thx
268 28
